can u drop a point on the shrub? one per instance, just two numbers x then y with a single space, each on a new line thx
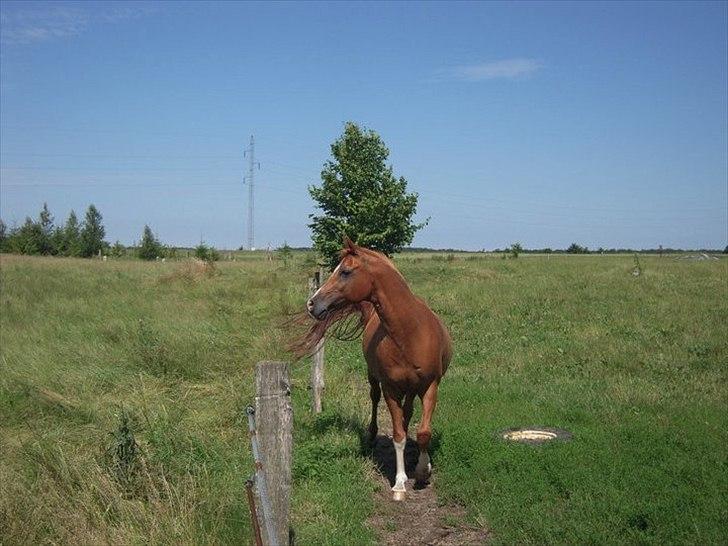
118 250
206 253
284 253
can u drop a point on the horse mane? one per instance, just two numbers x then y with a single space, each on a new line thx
345 324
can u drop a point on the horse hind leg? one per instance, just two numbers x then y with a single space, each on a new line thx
375 393
424 435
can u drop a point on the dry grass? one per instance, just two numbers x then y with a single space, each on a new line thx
191 271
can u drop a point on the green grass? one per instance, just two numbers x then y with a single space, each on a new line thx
634 367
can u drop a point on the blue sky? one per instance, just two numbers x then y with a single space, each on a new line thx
544 123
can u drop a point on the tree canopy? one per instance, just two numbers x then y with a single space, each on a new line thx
71 239
92 233
41 236
149 248
360 197
575 248
45 242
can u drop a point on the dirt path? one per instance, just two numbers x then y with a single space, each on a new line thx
419 520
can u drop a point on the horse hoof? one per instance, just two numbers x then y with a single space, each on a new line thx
399 496
422 474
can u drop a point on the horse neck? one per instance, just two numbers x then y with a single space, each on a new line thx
393 301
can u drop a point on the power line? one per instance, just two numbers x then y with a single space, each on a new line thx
478 202
462 199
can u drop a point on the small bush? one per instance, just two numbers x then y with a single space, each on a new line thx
206 253
284 253
117 250
122 455
637 269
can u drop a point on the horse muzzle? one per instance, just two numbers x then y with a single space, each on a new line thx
316 309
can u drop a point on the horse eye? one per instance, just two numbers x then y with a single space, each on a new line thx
345 272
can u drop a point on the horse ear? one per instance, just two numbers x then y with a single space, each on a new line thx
349 246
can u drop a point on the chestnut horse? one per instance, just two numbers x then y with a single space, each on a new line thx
406 346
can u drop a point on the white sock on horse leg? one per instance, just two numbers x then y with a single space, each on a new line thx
401 476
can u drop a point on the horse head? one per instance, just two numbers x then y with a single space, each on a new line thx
350 283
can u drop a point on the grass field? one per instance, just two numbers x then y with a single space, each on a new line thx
634 367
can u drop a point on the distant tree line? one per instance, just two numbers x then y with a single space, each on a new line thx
84 239
41 236
150 248
574 248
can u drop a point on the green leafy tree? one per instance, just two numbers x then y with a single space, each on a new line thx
149 248
71 236
57 241
577 249
28 238
3 235
92 233
45 242
516 249
361 197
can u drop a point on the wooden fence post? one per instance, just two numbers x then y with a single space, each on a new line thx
317 369
274 430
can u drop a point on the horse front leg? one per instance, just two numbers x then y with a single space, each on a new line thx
399 437
375 393
408 409
424 434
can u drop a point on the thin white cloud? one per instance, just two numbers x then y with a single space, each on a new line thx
24 27
125 12
32 26
505 69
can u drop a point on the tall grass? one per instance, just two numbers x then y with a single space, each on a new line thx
122 388
634 367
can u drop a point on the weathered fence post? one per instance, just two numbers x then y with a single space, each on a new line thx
274 431
317 369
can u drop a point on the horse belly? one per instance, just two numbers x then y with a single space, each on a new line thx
394 369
